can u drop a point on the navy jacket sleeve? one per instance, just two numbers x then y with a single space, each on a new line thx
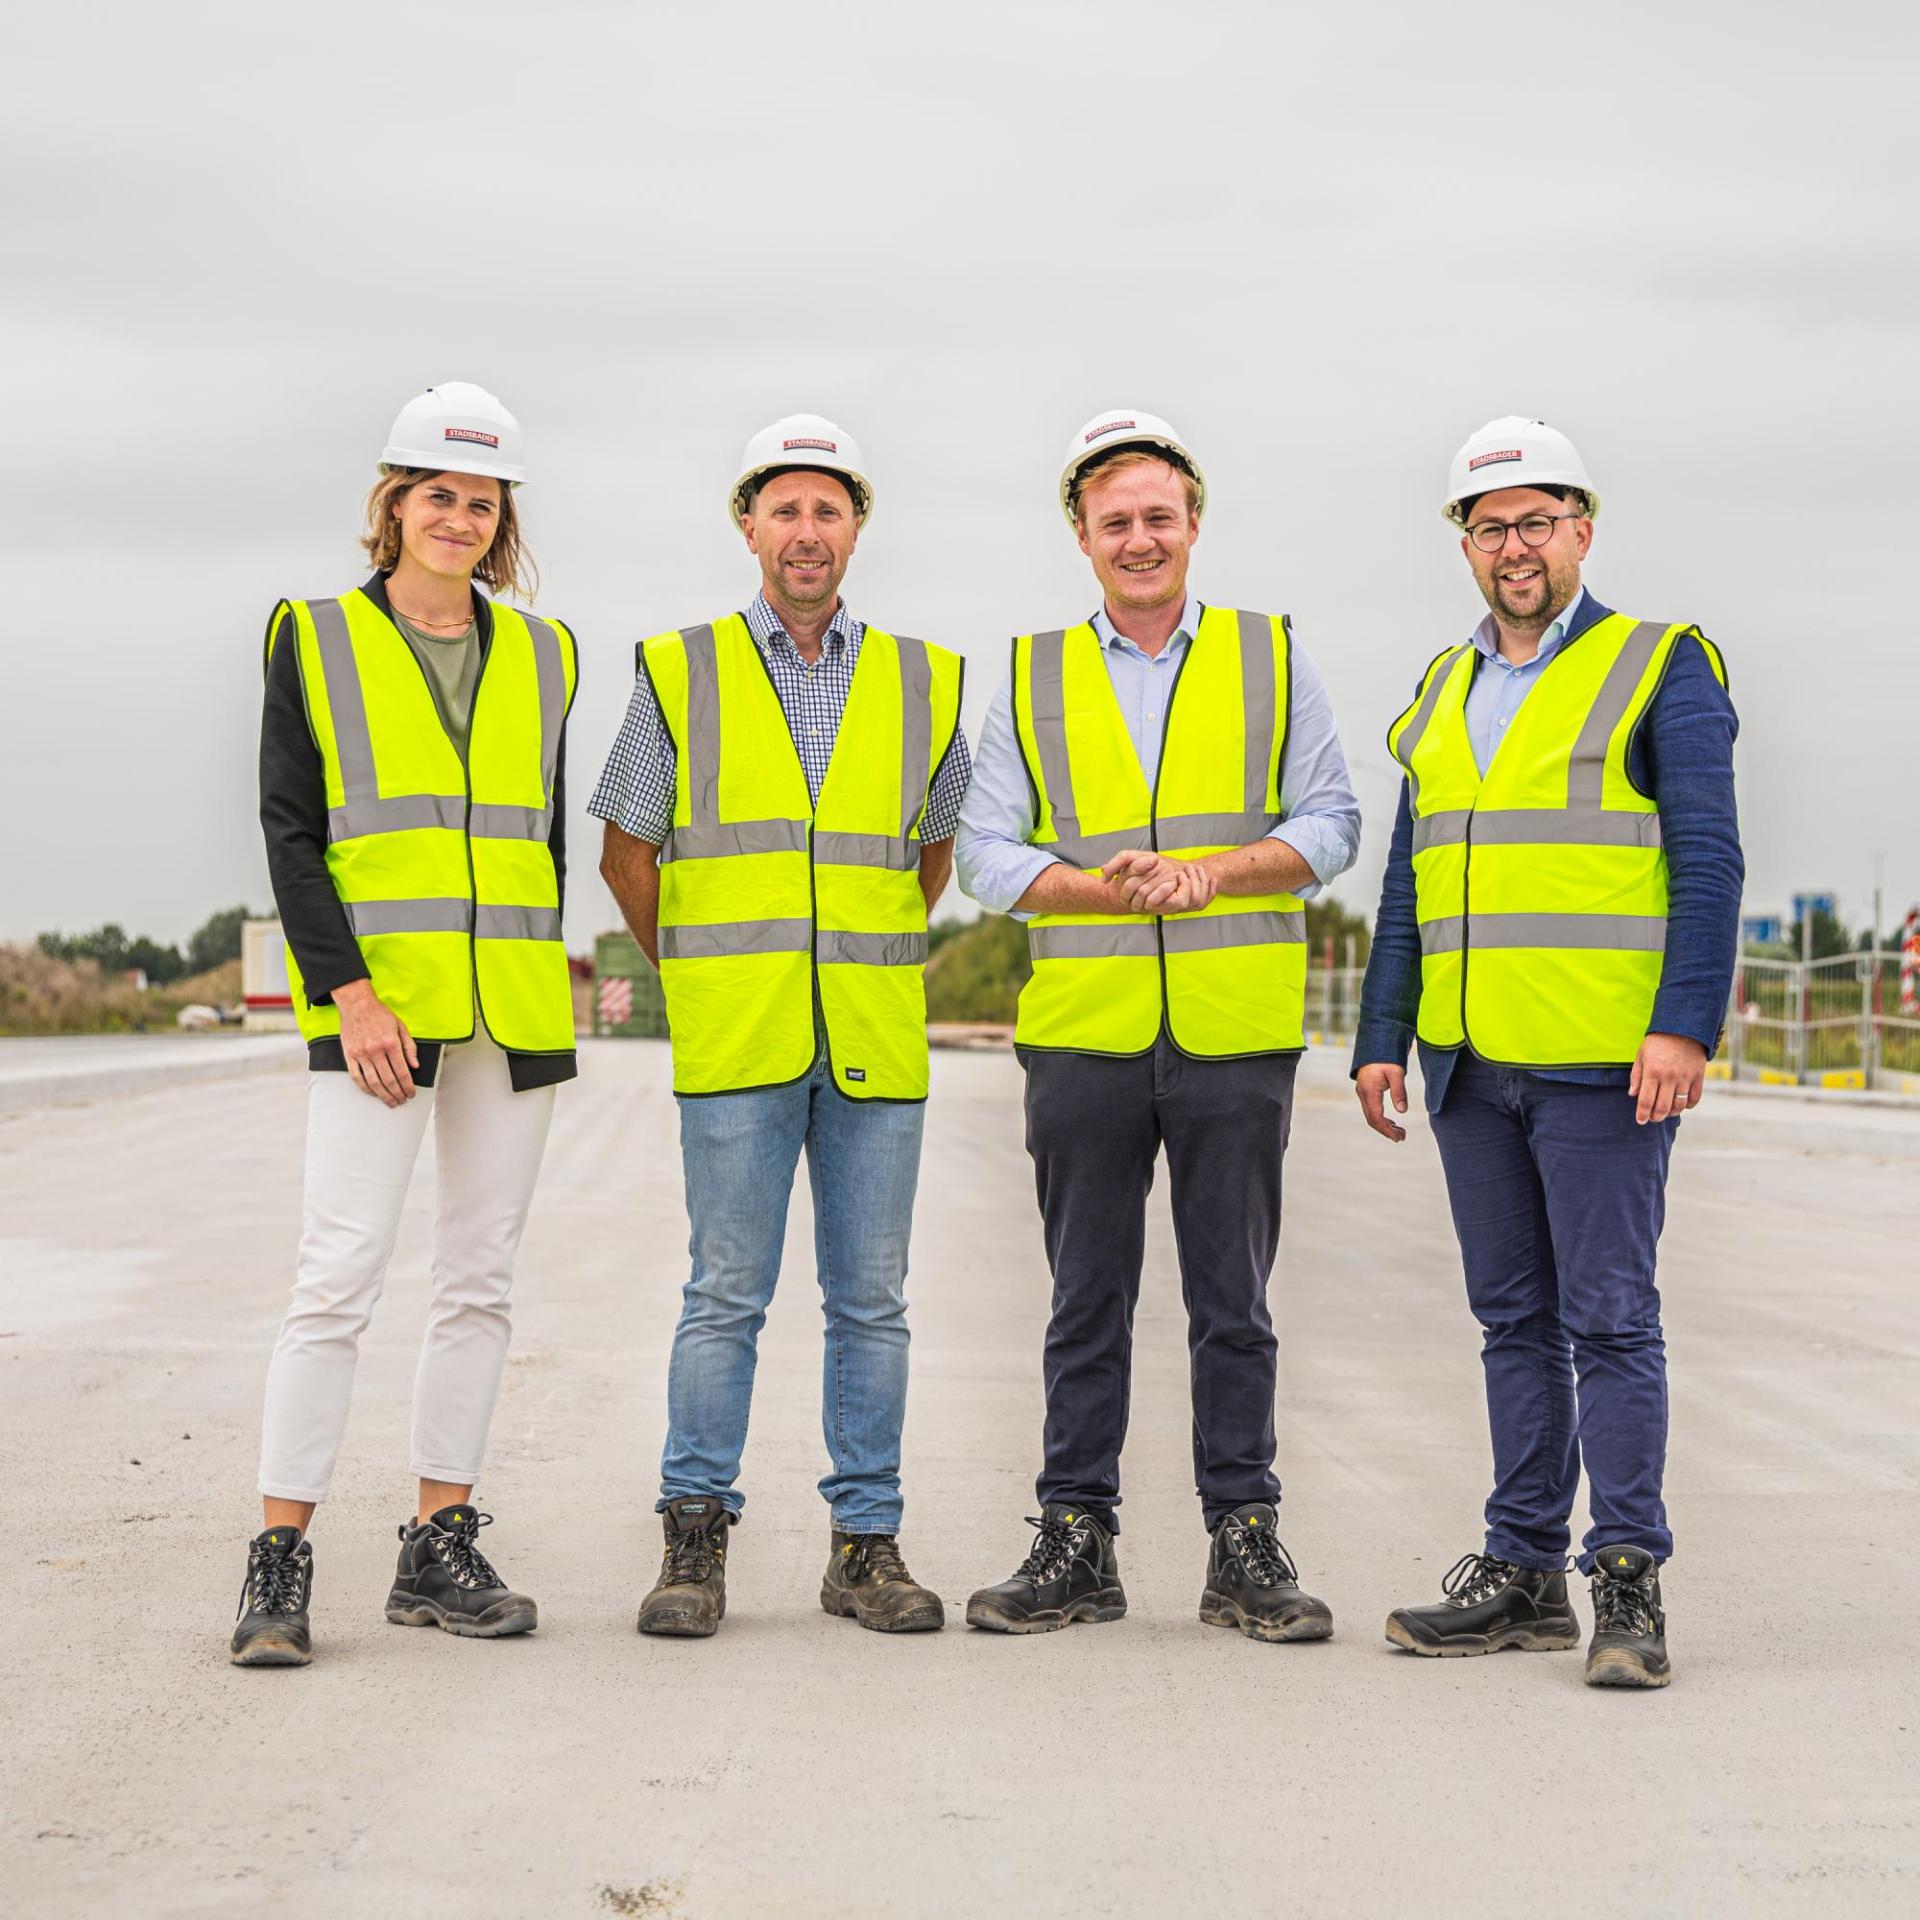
1683 756
1390 994
293 816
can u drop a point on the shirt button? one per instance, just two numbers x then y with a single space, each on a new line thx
1152 714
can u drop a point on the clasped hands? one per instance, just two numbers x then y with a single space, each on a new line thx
1149 882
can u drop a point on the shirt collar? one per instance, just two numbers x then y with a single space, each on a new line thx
764 624
1486 636
1110 636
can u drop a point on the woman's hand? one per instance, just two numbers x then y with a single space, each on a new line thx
378 1047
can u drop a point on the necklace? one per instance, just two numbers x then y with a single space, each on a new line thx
464 622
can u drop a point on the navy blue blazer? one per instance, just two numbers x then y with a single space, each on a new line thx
1681 754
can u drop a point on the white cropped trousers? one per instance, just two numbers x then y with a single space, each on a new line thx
360 1155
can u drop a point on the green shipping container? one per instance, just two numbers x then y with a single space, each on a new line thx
627 1001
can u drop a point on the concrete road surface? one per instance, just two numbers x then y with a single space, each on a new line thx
796 1766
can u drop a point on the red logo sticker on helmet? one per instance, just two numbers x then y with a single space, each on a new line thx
474 434
1112 426
1494 459
825 446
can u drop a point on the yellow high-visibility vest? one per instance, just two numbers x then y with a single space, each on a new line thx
774 912
444 870
1228 980
1541 885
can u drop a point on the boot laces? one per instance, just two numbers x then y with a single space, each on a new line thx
1474 1576
455 1549
1052 1548
1263 1557
689 1558
1623 1606
876 1556
276 1582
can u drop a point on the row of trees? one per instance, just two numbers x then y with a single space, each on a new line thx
115 951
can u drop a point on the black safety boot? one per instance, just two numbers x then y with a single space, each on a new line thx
445 1581
866 1580
271 1627
689 1600
1072 1573
1252 1585
1629 1645
1490 1604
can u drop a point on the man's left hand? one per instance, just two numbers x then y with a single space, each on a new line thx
1669 1074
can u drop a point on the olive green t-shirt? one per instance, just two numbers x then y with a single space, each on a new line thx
451 663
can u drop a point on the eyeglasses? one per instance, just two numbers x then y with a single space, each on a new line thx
1535 530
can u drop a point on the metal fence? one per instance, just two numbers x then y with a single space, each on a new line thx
1831 1023
1835 1023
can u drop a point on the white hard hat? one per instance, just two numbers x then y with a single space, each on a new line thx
1514 452
801 440
1107 433
458 428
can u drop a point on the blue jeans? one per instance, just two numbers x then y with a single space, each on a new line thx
1558 1198
863 1159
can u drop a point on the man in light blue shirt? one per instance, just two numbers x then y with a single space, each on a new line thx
1098 1109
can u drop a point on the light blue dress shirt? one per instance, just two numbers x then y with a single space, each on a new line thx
1498 688
991 855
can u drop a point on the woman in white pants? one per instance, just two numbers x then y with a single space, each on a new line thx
412 792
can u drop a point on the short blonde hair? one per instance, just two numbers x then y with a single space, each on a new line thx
1119 463
506 566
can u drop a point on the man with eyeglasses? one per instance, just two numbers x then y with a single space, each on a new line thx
1557 928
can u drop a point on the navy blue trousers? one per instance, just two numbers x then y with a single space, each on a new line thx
1558 1198
1095 1127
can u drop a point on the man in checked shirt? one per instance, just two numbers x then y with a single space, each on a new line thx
780 808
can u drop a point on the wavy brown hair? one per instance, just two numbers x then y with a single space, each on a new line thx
506 566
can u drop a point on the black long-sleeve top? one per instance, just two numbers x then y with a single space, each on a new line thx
293 816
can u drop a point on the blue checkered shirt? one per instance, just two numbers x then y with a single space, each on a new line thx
636 788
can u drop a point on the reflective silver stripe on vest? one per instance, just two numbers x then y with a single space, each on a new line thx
916 727
1257 703
1537 826
1416 728
1133 940
402 814
726 938
1603 932
408 916
1586 772
871 949
883 850
701 748
490 822
1215 930
736 836
550 672
1047 696
352 737
517 923
1213 829
1096 849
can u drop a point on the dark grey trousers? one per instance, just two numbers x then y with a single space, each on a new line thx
1095 1127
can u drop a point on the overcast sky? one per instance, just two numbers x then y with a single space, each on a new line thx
1326 242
